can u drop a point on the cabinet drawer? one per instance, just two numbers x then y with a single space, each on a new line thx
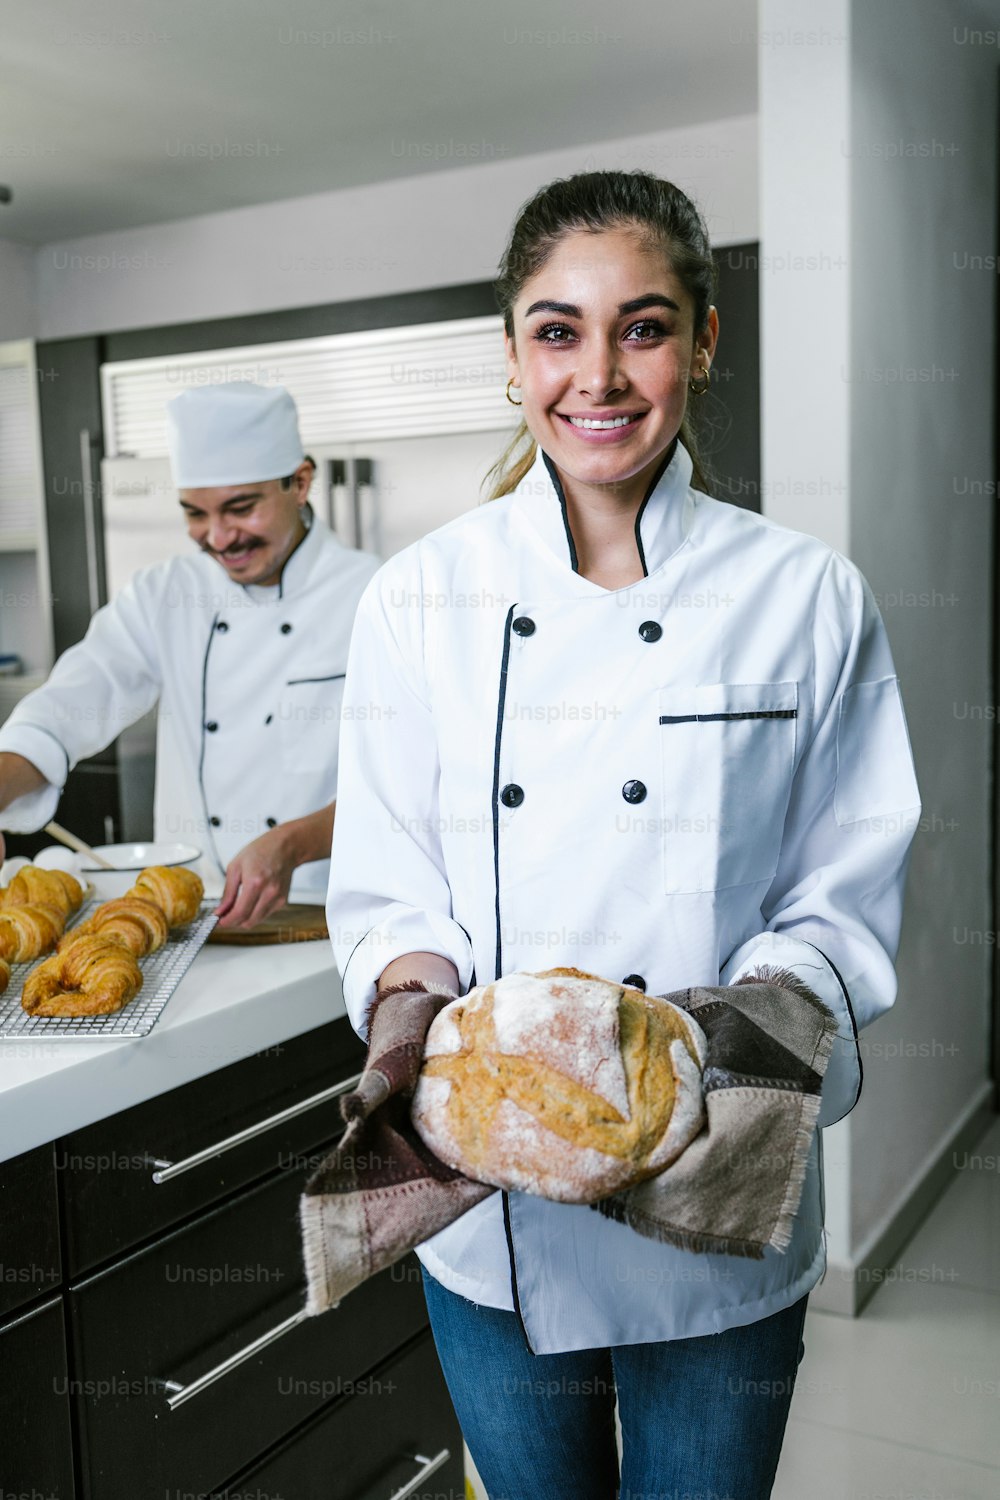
29 1229
374 1444
110 1198
178 1309
35 1444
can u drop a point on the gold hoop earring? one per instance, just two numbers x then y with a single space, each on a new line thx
700 390
508 395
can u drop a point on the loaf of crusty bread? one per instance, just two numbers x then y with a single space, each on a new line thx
560 1083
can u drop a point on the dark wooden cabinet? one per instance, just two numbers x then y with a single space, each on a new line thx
36 1451
30 1265
396 1428
110 1199
164 1283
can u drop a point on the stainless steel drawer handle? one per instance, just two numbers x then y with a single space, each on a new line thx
165 1171
429 1466
178 1393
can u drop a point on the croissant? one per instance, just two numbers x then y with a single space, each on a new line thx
4 974
34 886
175 890
141 925
28 931
94 976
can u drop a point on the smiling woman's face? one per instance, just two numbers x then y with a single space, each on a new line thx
603 333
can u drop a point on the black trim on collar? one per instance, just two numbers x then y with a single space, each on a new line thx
309 526
496 779
201 752
660 471
557 484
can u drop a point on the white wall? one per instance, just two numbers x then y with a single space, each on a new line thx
878 169
922 383
18 306
437 230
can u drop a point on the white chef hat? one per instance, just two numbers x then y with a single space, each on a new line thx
236 433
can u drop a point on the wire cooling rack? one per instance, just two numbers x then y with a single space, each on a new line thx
162 972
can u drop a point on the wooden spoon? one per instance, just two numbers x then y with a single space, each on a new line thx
72 842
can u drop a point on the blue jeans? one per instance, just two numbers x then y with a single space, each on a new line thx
702 1418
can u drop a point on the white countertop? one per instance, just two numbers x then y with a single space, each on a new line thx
231 1003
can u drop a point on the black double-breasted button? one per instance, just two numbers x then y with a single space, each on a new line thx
215 822
634 791
650 630
512 795
222 626
286 629
269 718
211 726
635 982
523 626
271 822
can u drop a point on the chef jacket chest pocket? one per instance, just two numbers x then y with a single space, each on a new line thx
727 753
309 714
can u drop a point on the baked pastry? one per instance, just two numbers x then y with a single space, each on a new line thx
34 886
28 931
560 1083
140 924
4 974
176 891
94 976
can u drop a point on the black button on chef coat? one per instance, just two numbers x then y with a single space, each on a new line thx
211 726
286 629
512 795
635 982
651 630
222 626
523 626
634 791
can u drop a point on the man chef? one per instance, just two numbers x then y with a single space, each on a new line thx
244 647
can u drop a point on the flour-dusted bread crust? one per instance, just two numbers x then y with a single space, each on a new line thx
561 1084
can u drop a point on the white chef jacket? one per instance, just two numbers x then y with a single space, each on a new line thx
668 783
249 682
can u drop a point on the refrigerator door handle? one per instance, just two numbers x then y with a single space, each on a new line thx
89 518
366 516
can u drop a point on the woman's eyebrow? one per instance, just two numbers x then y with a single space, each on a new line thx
570 310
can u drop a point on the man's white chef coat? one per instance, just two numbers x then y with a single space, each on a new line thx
671 783
249 682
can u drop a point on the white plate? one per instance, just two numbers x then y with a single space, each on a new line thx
138 856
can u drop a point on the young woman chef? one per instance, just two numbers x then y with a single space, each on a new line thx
243 644
629 728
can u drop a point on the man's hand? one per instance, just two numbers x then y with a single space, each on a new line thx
257 880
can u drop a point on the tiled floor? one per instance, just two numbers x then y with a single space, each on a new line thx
903 1403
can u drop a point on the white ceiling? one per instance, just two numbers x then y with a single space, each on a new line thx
115 114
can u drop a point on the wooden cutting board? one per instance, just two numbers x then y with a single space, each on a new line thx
289 924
